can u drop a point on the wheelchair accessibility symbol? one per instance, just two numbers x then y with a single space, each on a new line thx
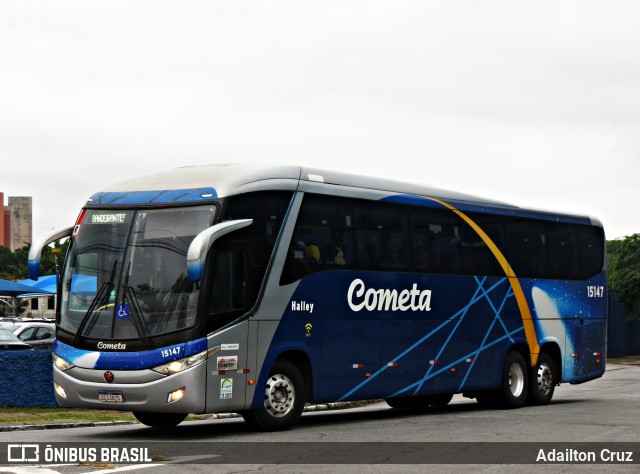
122 311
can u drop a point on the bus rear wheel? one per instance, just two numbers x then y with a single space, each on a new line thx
543 380
284 397
159 420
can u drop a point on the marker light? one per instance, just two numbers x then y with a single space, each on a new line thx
60 363
176 366
76 228
175 395
59 390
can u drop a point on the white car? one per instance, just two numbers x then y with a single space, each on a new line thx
9 342
39 334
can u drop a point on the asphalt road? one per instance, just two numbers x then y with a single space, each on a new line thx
600 418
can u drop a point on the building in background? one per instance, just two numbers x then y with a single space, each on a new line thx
15 222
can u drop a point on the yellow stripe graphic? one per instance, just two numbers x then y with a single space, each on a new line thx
525 312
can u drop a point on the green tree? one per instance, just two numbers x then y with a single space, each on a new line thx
13 265
7 261
624 271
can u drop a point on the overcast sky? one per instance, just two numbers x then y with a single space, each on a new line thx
533 103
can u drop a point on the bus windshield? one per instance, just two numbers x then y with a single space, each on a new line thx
125 275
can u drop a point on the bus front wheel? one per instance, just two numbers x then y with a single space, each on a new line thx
284 397
159 420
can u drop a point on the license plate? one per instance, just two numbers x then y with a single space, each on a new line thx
113 397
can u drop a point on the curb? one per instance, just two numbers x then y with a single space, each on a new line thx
55 426
624 360
214 416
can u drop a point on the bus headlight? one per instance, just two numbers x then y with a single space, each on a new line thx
59 390
60 363
175 395
179 365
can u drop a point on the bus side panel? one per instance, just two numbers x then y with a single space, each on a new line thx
586 360
350 358
408 352
449 345
454 349
439 361
227 369
573 311
296 339
593 340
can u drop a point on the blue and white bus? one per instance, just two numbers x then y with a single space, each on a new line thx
256 289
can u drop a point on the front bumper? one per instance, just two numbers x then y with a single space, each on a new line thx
83 388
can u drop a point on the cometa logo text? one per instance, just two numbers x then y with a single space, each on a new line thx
117 346
360 297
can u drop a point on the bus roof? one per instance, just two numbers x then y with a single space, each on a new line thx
227 179
232 178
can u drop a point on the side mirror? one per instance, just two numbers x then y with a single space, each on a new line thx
35 251
197 253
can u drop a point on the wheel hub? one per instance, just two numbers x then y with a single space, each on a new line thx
545 379
516 380
279 395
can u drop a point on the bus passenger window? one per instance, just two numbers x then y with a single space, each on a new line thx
295 267
333 255
393 258
423 260
364 251
591 257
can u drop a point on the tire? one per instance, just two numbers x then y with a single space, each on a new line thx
284 398
408 403
159 420
543 380
515 382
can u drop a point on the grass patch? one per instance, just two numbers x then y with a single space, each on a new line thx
13 416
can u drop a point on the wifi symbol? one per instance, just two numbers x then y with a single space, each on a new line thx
308 327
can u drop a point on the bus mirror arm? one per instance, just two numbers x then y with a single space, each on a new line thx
197 253
35 251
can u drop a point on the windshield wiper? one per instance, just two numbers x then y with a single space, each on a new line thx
130 296
101 296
